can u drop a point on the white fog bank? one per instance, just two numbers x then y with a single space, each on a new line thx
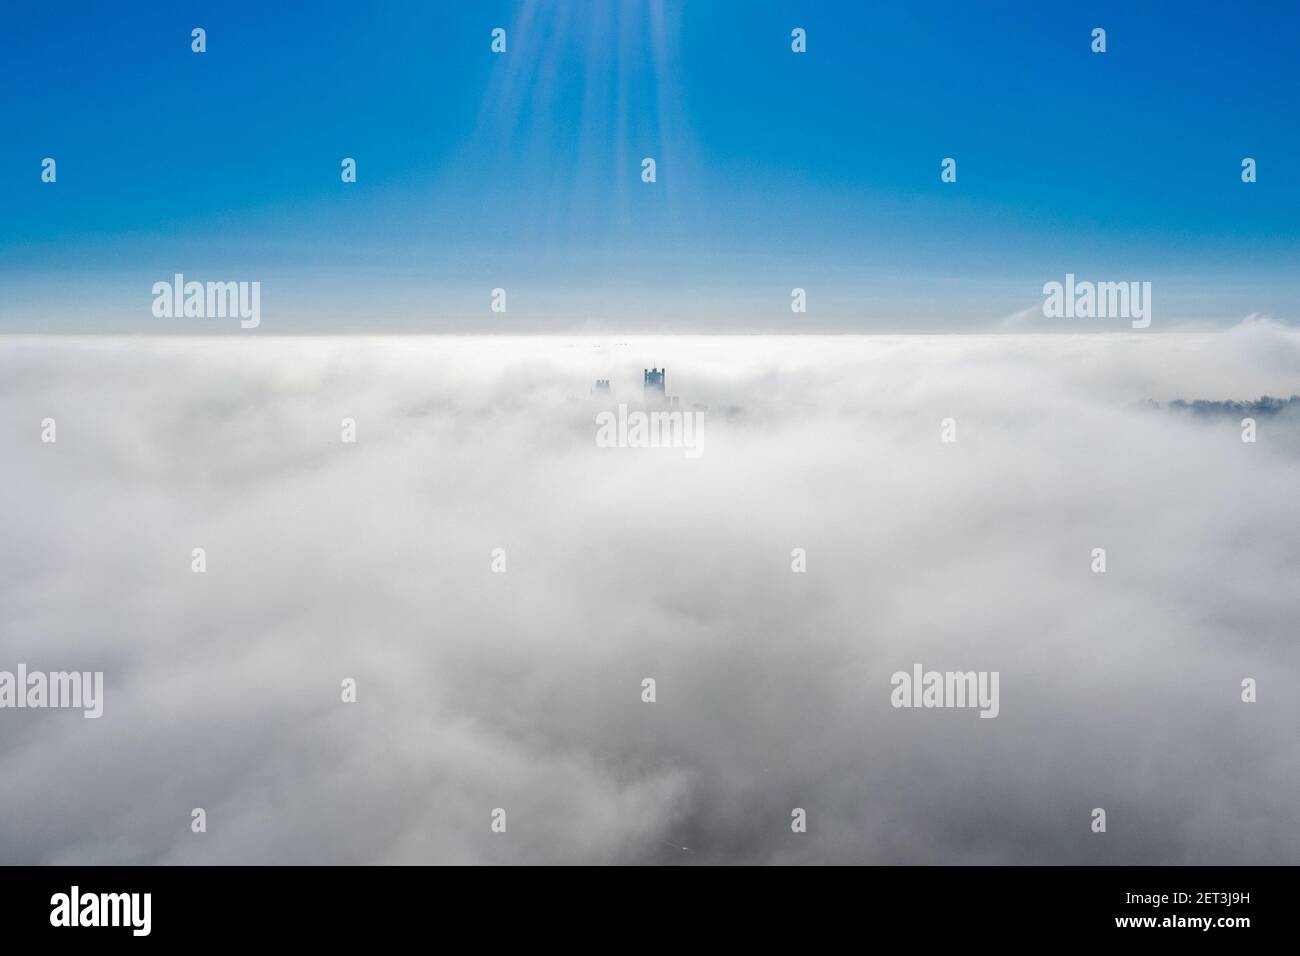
476 689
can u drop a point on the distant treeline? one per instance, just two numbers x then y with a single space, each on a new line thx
1267 405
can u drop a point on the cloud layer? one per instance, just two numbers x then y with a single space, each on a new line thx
522 690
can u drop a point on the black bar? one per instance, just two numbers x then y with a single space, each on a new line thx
325 905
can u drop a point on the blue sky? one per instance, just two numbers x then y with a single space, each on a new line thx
522 170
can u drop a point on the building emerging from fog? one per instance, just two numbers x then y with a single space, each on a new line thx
654 385
656 390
